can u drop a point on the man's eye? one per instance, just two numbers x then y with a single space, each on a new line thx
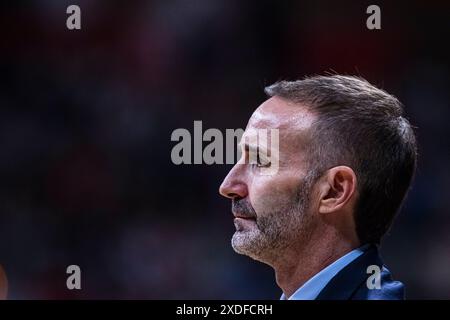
262 161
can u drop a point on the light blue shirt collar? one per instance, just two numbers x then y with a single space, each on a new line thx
311 288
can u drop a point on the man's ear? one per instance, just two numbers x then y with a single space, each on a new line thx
336 189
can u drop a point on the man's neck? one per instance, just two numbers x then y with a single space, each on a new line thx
299 264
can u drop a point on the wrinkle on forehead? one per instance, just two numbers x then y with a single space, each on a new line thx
278 113
293 121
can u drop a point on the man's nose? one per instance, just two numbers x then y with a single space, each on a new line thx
233 186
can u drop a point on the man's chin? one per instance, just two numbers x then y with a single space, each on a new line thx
256 245
246 243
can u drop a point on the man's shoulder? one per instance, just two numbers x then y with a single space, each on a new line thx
365 278
389 289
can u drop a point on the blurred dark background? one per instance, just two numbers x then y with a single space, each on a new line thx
86 116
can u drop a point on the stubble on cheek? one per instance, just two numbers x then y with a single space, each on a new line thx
259 238
281 216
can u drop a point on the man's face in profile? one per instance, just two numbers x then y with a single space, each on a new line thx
273 211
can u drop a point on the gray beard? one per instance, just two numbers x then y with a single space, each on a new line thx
276 231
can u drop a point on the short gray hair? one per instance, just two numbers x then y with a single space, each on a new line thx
361 126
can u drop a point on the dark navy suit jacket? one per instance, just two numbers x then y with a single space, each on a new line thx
351 282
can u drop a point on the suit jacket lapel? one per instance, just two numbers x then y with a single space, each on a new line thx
345 282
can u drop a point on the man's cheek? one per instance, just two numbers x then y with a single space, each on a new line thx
266 197
272 194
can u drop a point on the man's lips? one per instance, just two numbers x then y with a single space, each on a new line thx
243 221
243 216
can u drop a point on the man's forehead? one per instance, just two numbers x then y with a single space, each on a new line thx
278 113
